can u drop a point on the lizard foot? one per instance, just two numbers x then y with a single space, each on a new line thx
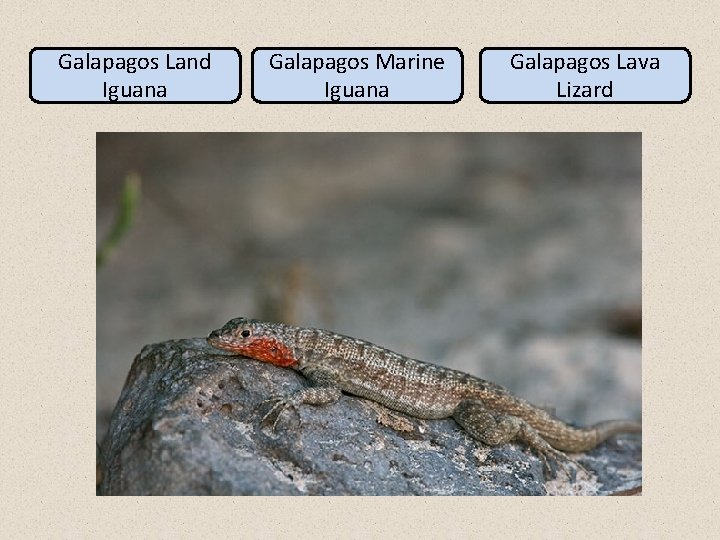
560 459
320 395
549 453
281 403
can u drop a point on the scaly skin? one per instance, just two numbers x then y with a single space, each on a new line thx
334 363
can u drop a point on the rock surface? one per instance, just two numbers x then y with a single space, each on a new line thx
188 422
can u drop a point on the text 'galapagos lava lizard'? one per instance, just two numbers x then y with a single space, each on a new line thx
334 363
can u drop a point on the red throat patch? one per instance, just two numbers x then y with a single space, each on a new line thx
268 350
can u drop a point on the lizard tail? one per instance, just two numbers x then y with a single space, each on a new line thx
574 439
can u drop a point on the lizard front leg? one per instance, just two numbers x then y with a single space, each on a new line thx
316 395
494 428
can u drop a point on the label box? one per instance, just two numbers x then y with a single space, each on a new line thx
629 75
343 71
103 74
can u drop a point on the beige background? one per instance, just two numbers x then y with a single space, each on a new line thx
47 274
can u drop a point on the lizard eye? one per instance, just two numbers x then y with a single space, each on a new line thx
245 333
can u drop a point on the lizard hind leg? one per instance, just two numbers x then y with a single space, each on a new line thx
489 427
494 428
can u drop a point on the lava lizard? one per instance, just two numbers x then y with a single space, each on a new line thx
334 363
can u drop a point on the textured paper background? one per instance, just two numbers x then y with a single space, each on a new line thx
47 274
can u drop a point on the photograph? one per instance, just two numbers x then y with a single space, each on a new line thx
369 313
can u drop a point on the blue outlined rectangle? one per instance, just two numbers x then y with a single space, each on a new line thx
585 75
357 75
135 75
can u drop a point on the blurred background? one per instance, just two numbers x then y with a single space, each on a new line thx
515 257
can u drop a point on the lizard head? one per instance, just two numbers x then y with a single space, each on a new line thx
254 339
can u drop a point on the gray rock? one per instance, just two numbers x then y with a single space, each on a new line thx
188 422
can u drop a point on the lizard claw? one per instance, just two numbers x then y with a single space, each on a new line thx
560 459
280 404
546 464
